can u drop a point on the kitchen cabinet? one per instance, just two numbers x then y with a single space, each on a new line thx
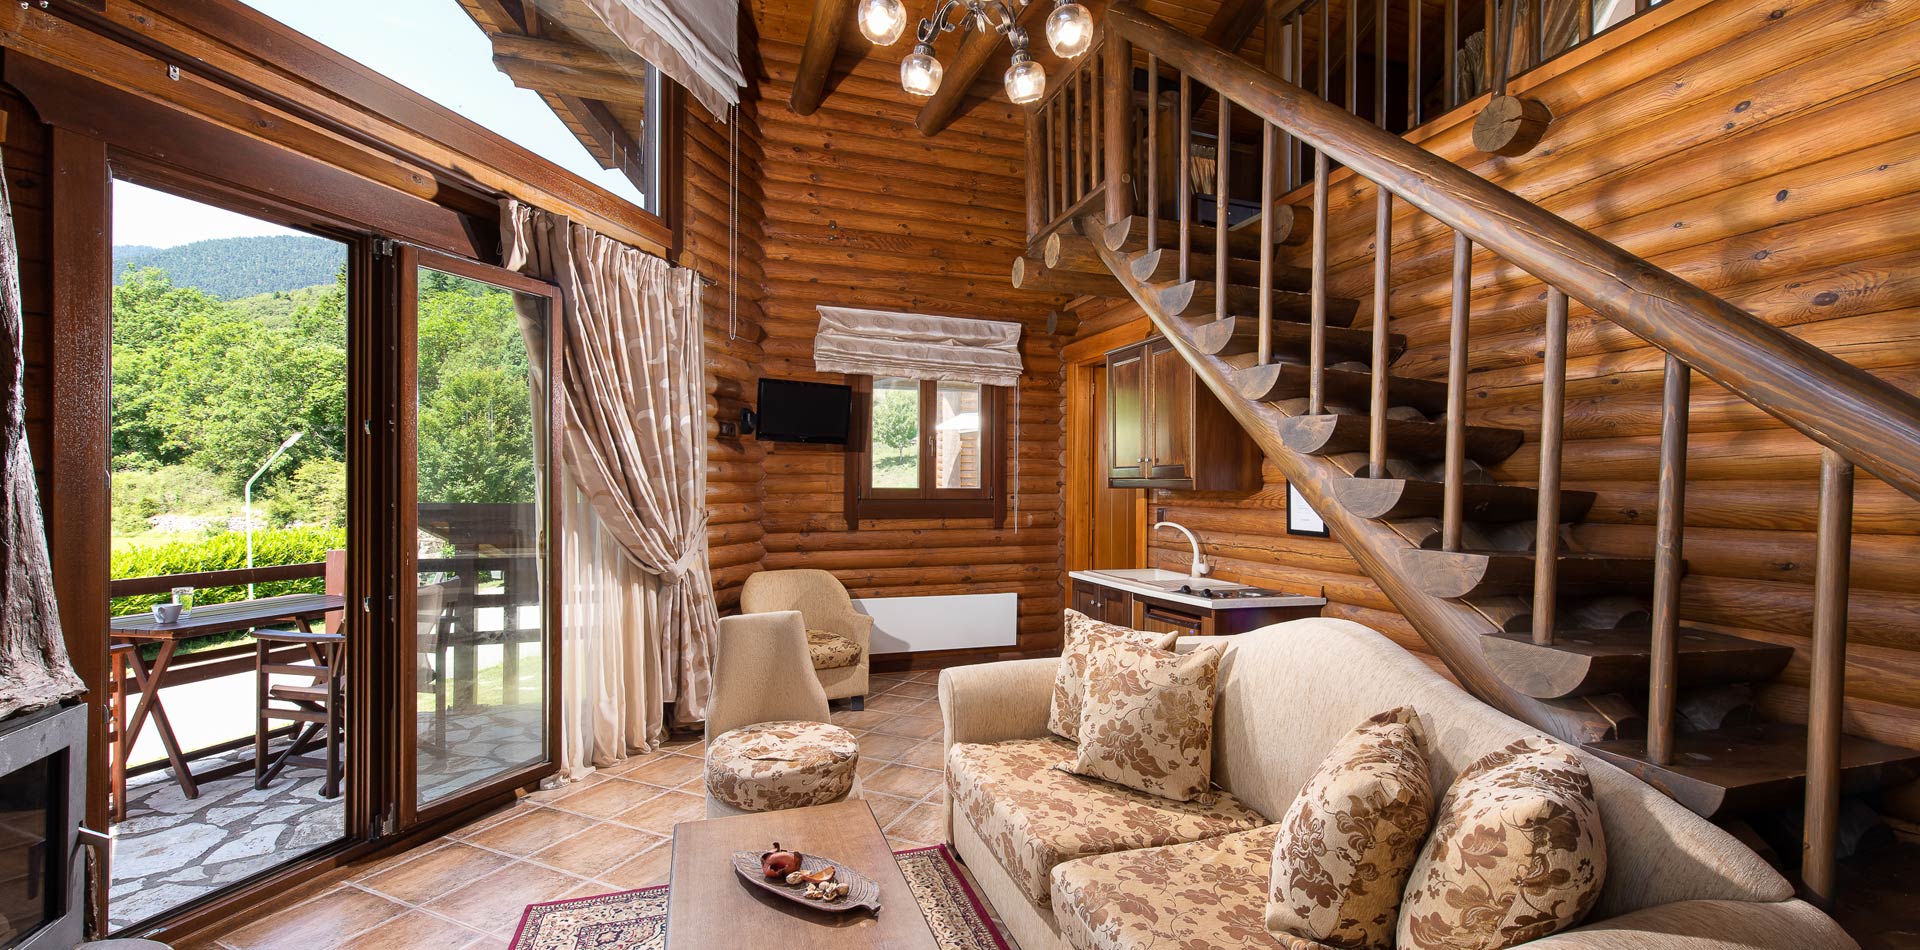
1103 603
1167 430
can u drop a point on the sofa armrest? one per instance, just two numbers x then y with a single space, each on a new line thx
994 702
1708 925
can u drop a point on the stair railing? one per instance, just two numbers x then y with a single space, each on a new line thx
1064 141
1857 418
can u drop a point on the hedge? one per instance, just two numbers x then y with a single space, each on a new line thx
222 552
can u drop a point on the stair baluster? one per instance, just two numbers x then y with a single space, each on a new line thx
1266 242
1553 414
1380 64
1827 680
1450 28
1414 10
1184 176
1382 264
1669 532
1038 214
1352 72
1078 108
1222 152
1288 67
1317 332
1116 86
1153 153
1453 481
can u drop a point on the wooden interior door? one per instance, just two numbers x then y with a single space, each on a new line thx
1114 522
1169 412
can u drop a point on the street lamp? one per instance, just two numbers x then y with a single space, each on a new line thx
247 498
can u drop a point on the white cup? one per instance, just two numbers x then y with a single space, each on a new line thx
166 613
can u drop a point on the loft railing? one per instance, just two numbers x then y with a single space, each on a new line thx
1857 418
1064 142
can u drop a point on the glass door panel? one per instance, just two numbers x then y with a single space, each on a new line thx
480 435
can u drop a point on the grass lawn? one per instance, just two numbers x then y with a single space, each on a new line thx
896 468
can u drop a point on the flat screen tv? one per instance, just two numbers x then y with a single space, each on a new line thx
795 411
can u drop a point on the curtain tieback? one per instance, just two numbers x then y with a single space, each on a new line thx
695 549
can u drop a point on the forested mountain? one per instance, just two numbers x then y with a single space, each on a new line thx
231 268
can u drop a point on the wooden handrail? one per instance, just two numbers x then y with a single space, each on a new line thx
1844 408
235 577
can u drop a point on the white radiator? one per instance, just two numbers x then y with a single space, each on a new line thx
952 622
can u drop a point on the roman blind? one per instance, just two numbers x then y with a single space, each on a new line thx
917 346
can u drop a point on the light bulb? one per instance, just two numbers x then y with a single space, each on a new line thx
1026 81
1069 29
920 72
882 20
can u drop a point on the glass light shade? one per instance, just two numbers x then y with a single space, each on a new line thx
1069 30
1026 82
882 20
920 73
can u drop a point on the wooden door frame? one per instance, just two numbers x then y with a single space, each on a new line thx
403 765
1080 357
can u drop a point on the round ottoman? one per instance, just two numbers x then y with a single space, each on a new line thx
771 766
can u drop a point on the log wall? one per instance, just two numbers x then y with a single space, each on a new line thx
860 209
1766 152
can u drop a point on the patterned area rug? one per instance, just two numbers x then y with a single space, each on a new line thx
637 920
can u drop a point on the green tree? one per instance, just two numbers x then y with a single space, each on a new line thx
896 419
314 495
476 430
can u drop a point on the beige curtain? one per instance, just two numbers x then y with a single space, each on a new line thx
611 677
633 392
34 671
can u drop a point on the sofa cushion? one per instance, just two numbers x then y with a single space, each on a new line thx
771 766
1517 853
831 651
1033 816
1146 720
1207 895
1349 840
1086 637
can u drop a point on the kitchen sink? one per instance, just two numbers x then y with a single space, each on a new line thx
1165 579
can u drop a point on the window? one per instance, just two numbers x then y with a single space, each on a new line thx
437 50
926 449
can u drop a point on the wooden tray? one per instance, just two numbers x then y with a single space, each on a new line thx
862 891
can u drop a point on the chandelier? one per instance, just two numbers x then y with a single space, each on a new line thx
1069 33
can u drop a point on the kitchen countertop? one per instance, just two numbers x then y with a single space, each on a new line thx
1163 584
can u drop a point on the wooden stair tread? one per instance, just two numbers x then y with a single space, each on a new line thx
1458 574
1395 498
1277 381
1129 235
1588 662
315 693
1236 335
1163 266
1406 439
1754 766
1195 299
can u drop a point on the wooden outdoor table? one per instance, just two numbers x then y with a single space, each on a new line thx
306 610
709 906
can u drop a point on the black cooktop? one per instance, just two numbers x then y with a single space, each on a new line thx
1213 593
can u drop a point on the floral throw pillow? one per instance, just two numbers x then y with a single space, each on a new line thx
1085 637
1517 853
1350 838
1146 720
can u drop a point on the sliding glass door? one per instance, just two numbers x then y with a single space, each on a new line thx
479 429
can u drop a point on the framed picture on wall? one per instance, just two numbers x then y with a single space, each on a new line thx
1301 518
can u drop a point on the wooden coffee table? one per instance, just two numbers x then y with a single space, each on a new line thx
709 906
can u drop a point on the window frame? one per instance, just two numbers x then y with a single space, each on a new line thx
867 503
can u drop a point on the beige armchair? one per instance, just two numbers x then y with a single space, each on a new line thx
760 674
824 602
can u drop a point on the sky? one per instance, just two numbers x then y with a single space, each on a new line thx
429 46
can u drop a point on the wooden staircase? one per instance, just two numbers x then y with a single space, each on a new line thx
1587 645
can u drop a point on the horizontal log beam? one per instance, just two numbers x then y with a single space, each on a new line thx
816 60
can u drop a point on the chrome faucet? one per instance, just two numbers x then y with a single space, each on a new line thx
1199 567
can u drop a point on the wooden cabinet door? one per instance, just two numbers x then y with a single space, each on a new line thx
1169 412
1118 605
1126 413
1086 599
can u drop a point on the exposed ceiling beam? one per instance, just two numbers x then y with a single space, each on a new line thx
568 70
975 52
816 58
622 152
1233 22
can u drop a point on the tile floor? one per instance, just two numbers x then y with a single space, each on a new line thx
607 833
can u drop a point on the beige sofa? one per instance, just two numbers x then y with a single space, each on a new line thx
1066 860
824 602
